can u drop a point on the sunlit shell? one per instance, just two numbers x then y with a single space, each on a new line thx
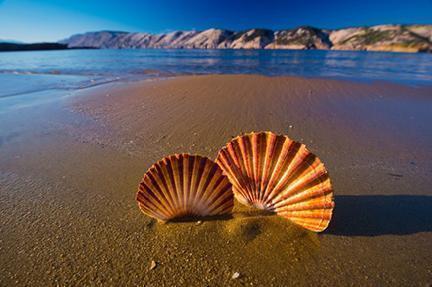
184 185
272 172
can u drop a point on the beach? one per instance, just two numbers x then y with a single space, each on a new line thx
70 169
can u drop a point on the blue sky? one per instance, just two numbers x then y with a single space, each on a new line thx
52 20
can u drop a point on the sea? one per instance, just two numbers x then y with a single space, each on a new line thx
44 73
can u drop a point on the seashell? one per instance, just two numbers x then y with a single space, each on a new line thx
275 173
184 185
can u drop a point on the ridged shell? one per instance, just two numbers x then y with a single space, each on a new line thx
184 185
272 172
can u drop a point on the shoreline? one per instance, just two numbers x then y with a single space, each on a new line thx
26 49
157 75
69 171
43 69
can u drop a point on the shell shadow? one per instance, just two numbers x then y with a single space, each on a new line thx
374 215
222 217
253 212
201 218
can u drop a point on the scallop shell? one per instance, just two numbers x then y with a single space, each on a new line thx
184 185
272 172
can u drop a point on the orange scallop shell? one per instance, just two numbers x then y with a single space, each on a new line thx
184 185
275 173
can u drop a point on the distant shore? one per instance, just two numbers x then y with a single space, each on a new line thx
69 170
16 47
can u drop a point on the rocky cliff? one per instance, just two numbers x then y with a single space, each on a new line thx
398 38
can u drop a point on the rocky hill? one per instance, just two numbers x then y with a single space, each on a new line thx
397 38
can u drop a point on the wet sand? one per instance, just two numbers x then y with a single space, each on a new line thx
69 170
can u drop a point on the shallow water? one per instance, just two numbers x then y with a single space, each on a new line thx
23 72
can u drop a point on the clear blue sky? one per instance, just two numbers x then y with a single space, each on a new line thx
51 20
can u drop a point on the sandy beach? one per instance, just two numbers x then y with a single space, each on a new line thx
70 168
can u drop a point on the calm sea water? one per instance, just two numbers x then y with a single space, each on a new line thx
36 72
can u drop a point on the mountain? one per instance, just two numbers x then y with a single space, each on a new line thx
397 38
102 39
301 38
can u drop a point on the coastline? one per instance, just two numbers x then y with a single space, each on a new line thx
10 47
69 171
28 48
